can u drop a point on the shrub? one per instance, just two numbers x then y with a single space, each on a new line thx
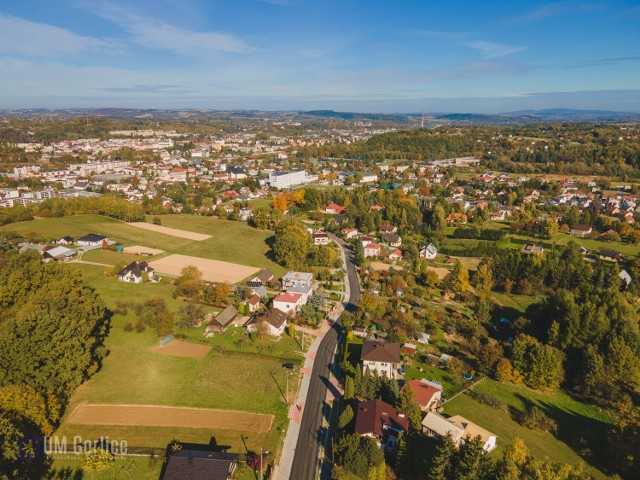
140 326
128 327
536 419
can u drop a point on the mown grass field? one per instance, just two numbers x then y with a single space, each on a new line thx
580 425
132 468
231 241
246 376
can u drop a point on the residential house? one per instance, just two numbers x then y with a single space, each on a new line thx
382 357
223 320
532 249
275 322
65 241
381 422
429 252
366 240
395 254
334 208
262 279
320 239
134 272
611 256
427 396
456 218
392 240
91 240
297 279
305 291
200 465
581 231
372 250
289 303
254 303
459 428
388 229
349 233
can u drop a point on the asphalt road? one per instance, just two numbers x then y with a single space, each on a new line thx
306 461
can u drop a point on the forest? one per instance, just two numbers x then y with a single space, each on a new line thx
52 332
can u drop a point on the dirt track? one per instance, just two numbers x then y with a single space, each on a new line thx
178 348
164 416
174 232
212 270
142 250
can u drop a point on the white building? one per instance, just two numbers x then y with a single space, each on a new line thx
429 252
287 179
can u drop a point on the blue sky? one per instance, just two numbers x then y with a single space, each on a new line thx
356 55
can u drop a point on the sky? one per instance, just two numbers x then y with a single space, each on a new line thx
347 55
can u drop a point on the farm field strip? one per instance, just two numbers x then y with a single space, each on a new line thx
174 232
165 416
178 348
212 270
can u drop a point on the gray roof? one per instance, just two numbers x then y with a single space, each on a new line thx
303 290
58 252
199 465
441 426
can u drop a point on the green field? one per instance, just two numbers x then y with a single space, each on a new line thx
517 241
230 241
132 468
244 376
578 423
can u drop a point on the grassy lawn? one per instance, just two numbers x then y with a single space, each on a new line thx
578 422
231 241
517 241
133 468
235 340
439 375
516 302
245 377
111 257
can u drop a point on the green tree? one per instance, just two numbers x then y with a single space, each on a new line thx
349 388
345 417
407 403
191 315
291 246
441 464
97 459
514 457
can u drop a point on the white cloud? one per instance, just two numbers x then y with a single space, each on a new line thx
19 36
543 12
151 32
492 49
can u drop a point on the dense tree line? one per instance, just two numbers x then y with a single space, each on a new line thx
52 331
108 206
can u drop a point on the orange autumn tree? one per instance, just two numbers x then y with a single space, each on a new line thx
285 201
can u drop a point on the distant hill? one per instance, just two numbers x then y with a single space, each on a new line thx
569 114
521 117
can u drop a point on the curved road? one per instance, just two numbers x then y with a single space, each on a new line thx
306 461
